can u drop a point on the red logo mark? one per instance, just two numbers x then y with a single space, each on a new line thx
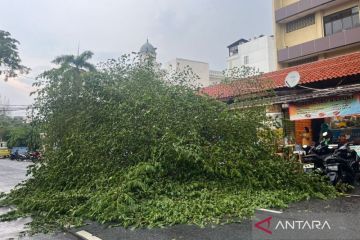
266 220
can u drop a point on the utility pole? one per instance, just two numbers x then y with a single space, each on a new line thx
78 49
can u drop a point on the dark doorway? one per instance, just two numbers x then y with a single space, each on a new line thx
316 128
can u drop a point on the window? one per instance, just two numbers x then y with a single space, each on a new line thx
337 26
347 23
328 28
355 19
342 20
246 60
300 23
233 50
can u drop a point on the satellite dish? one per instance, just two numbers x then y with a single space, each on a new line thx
292 79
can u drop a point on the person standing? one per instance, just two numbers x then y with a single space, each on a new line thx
306 137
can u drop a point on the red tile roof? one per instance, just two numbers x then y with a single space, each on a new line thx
345 65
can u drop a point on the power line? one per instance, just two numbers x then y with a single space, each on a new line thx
13 110
5 107
15 105
27 77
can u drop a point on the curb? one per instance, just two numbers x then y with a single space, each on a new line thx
82 235
73 234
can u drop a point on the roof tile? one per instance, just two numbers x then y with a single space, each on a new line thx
341 66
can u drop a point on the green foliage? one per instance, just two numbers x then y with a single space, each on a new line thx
18 136
248 87
126 147
17 133
10 62
12 215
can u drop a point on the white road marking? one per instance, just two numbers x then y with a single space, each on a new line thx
352 195
87 235
269 210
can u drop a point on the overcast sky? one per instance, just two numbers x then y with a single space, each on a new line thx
193 29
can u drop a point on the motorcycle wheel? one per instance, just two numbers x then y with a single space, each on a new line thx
333 178
346 178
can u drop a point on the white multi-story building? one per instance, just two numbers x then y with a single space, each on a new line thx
259 53
206 76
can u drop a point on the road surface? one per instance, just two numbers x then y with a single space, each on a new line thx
12 173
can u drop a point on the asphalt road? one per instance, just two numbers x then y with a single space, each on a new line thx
341 211
12 173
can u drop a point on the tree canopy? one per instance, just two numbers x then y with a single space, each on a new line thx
10 62
79 62
18 133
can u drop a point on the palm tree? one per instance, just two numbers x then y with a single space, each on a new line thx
76 62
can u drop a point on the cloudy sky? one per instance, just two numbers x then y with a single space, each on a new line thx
193 29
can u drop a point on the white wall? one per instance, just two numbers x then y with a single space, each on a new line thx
201 69
216 77
261 53
272 58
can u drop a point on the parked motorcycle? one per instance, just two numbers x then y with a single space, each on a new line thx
314 156
19 156
35 156
343 165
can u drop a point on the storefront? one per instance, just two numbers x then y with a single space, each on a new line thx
320 95
340 115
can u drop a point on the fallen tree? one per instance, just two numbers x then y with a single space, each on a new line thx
126 146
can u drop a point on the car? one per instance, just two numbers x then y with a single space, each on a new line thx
4 152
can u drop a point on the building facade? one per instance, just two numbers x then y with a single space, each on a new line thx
321 36
206 77
311 30
215 77
258 53
318 41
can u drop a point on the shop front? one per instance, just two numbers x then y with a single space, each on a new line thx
319 96
340 116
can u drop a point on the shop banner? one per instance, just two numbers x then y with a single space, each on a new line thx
326 108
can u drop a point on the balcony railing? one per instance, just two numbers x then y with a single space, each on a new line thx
328 43
299 7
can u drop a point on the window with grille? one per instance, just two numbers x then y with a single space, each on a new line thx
246 60
300 23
